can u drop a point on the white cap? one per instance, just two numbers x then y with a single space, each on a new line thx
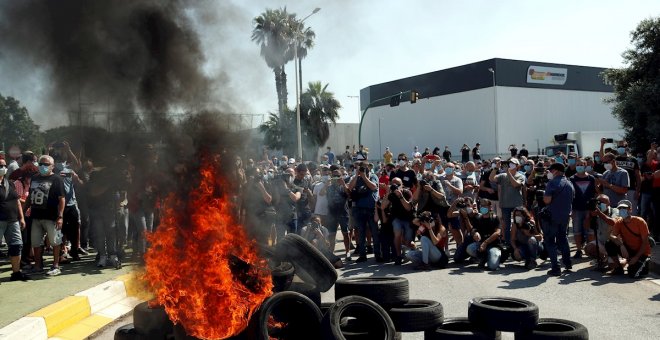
292 161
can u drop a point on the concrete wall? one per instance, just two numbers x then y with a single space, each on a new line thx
525 116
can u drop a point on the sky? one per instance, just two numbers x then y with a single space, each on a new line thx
362 43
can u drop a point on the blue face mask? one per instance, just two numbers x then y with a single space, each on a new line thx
449 171
623 213
603 207
427 166
589 168
470 173
571 161
483 210
597 159
528 168
44 169
640 160
559 160
580 168
621 151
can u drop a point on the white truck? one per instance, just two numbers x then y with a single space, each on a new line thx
583 143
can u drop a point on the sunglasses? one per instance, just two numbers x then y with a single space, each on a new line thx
46 164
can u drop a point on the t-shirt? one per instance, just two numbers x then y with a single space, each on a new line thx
465 154
388 157
618 178
562 192
446 155
476 155
468 179
362 196
397 210
44 196
303 203
523 152
633 234
510 197
69 191
514 152
408 177
585 189
631 165
321 206
9 205
336 197
486 226
331 157
449 193
486 183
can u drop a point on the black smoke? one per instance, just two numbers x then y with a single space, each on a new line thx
131 57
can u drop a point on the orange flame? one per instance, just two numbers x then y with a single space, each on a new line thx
192 262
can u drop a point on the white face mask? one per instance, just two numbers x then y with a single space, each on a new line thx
402 163
3 171
608 166
512 166
519 219
468 210
550 175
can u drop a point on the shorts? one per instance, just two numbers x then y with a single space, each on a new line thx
41 228
404 227
578 223
12 233
335 221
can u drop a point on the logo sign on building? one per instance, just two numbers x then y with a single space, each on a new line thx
546 75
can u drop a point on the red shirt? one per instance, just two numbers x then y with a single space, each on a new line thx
382 189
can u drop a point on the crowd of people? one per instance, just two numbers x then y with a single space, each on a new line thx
408 207
401 208
56 204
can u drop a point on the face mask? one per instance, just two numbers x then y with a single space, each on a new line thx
559 160
550 175
59 167
325 178
35 164
427 166
608 166
3 170
44 169
265 177
402 163
469 210
449 171
519 219
621 151
483 210
640 160
589 168
317 178
512 166
528 168
492 166
597 159
470 173
571 161
580 168
623 213
603 207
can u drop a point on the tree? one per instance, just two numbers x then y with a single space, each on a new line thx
17 128
318 108
272 32
280 132
637 87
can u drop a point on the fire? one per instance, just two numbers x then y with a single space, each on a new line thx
202 266
274 327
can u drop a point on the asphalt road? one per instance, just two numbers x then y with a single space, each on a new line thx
610 307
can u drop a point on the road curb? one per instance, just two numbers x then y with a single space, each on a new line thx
79 316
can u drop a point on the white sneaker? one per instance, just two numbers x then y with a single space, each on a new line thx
102 262
54 271
348 256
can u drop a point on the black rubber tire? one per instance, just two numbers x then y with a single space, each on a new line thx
308 290
153 322
282 276
352 329
460 329
386 291
368 315
417 316
504 314
291 308
552 329
324 306
311 266
127 332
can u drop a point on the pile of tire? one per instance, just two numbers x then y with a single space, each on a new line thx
149 322
489 316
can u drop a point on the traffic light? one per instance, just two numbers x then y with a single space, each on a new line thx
394 101
414 95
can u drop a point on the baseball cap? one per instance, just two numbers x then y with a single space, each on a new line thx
292 161
624 204
514 161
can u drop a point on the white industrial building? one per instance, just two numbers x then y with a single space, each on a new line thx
495 102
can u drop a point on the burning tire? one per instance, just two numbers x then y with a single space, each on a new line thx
369 320
460 328
385 291
311 266
549 329
417 316
503 313
282 276
308 290
151 322
127 332
288 315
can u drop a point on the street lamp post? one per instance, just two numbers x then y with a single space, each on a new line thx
497 147
295 59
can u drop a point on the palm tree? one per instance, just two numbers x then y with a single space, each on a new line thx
305 42
272 32
318 108
279 132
